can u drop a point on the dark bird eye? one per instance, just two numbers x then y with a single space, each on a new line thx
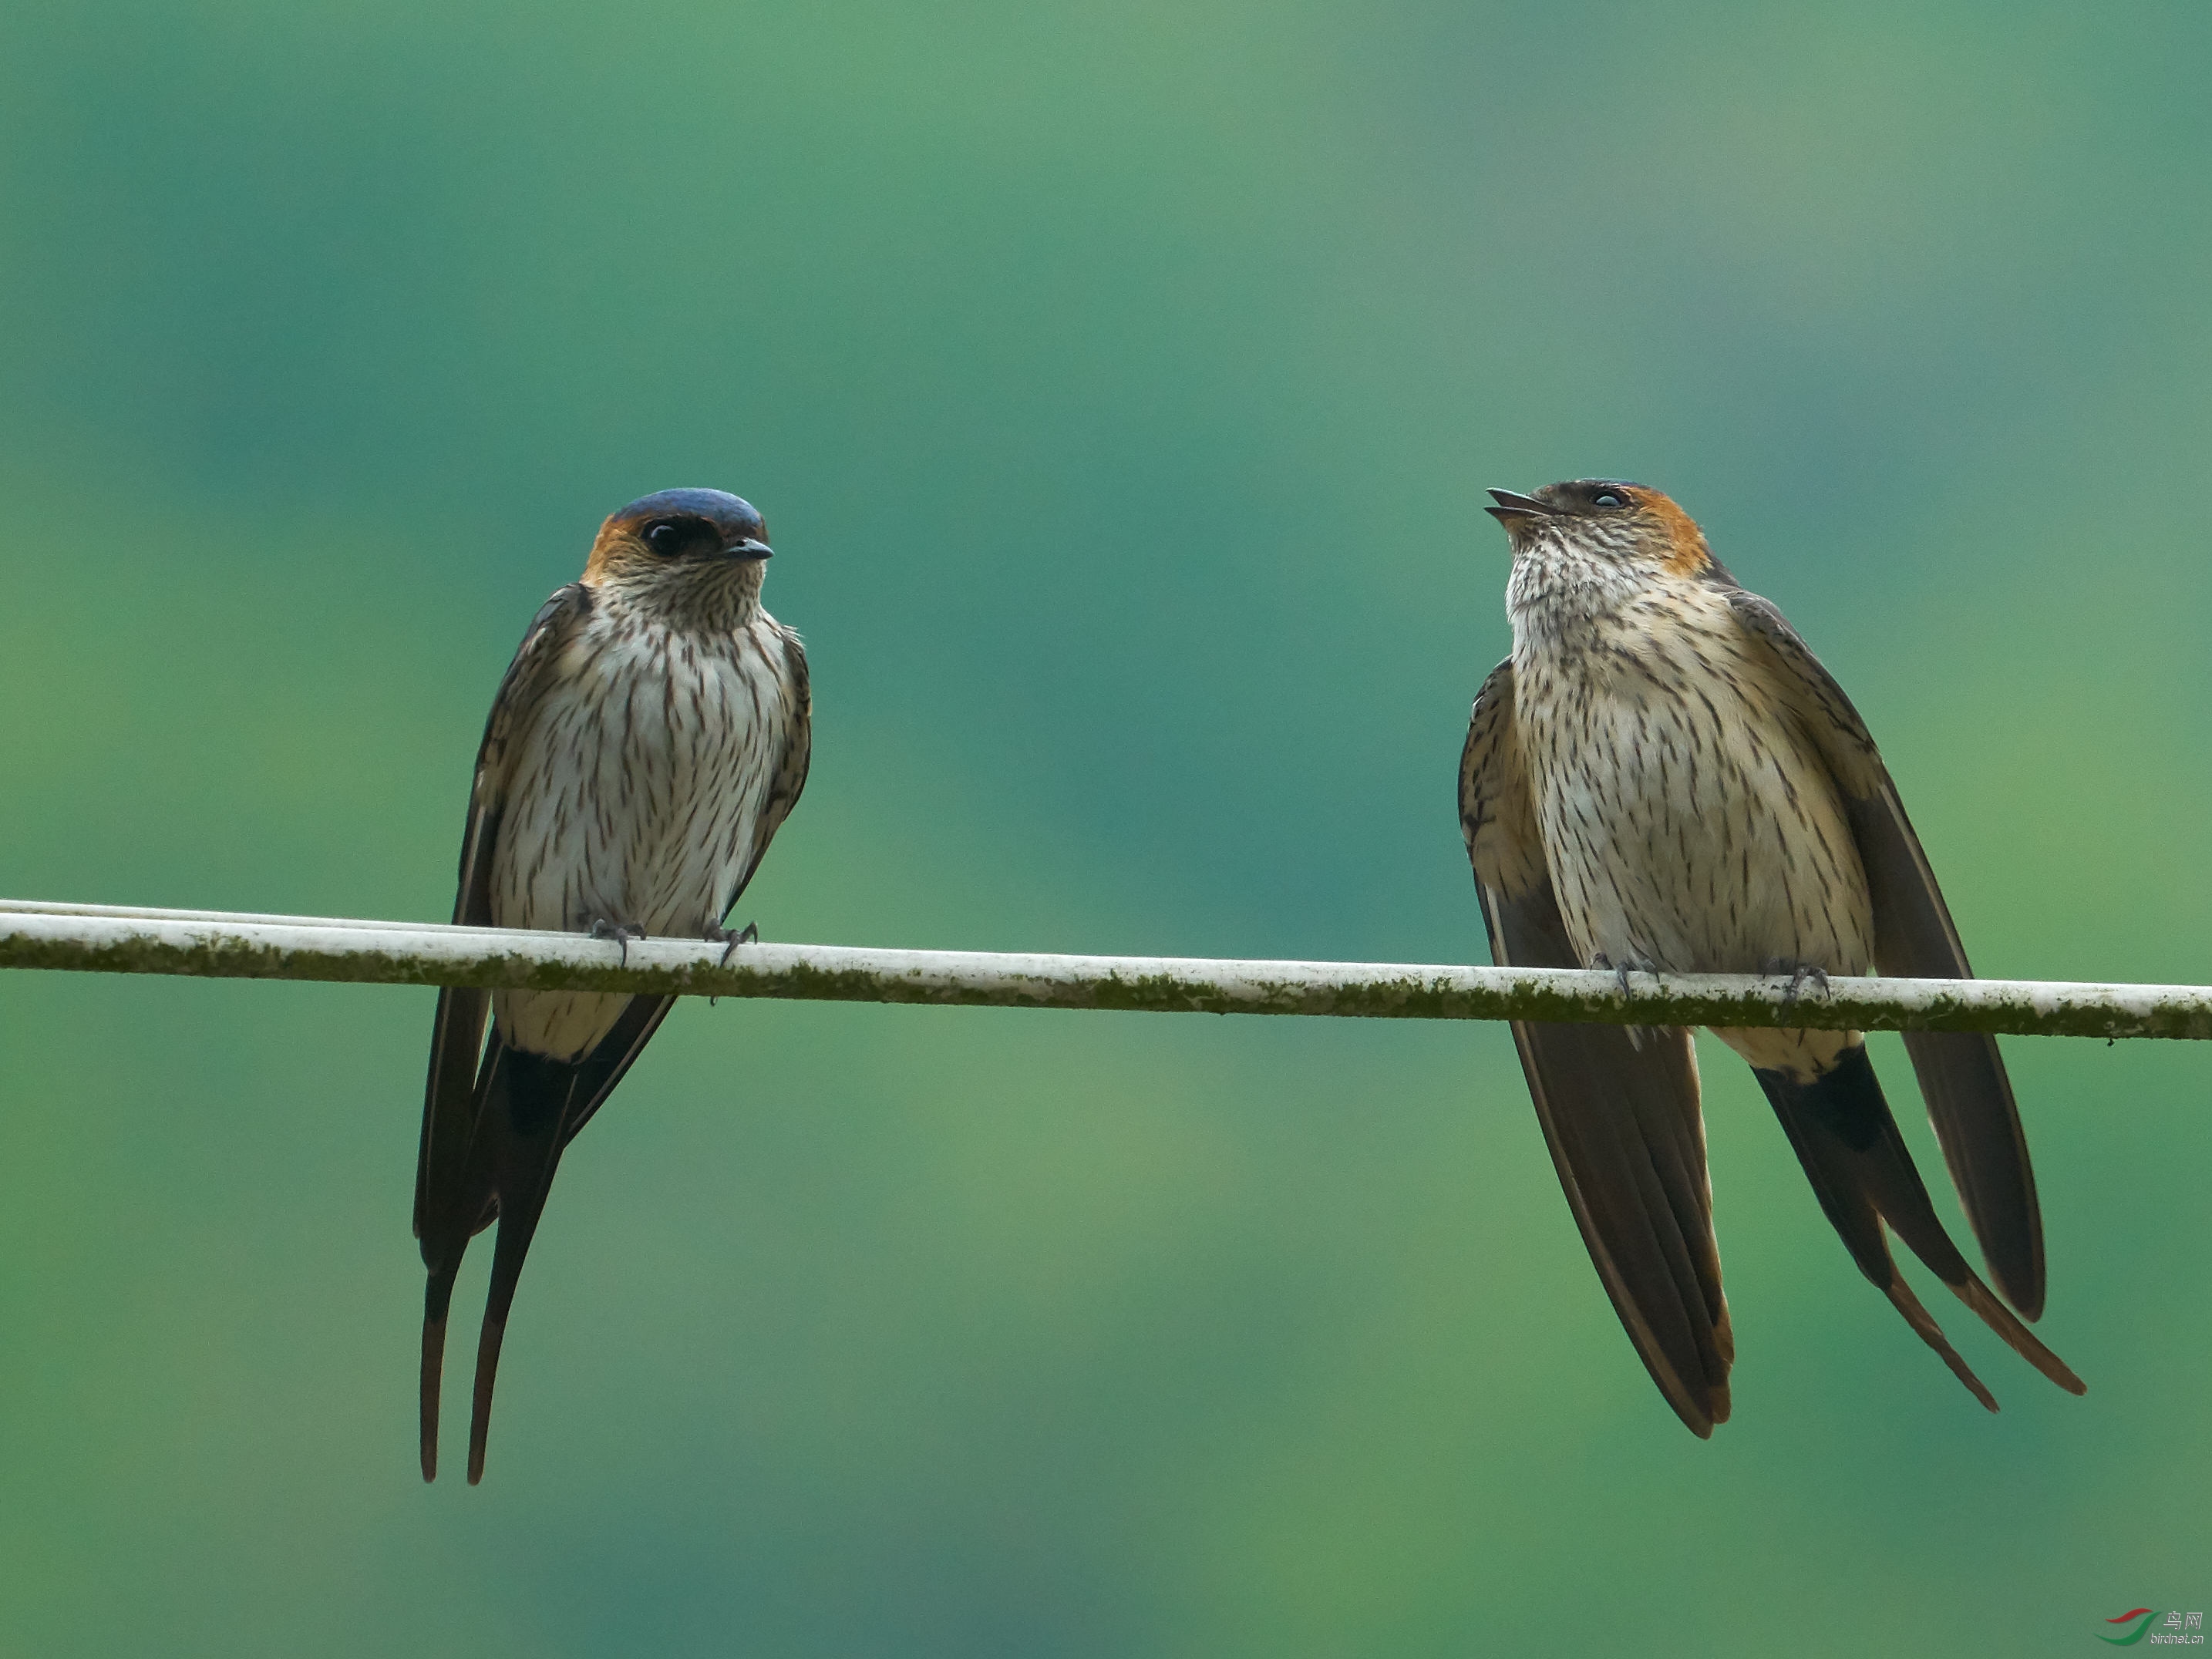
666 537
1608 498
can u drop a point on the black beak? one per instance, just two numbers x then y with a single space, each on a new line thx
748 549
1512 505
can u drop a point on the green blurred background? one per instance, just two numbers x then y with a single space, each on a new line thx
1119 382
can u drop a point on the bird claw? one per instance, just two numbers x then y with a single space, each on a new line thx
622 933
1799 974
1621 970
748 934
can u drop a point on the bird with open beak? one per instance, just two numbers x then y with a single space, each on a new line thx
650 735
1663 778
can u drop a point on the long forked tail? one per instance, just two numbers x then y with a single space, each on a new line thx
1848 1142
522 1104
458 1199
521 1130
491 1152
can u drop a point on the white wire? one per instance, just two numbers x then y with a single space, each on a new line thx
116 939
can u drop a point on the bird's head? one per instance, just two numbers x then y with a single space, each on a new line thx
1631 527
683 550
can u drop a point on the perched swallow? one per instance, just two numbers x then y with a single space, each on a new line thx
651 734
1664 778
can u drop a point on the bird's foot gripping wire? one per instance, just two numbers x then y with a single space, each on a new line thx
620 931
1621 970
1801 974
729 941
748 934
1625 966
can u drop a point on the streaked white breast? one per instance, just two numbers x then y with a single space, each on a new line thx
634 797
1689 824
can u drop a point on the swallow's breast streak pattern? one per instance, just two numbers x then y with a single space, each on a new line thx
1689 822
636 793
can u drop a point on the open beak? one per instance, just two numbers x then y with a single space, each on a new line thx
748 549
1512 505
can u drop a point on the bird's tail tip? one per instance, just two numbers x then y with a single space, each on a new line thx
1924 1324
488 1346
437 1300
434 1364
2022 1341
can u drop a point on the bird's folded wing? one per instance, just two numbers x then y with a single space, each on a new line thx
1970 1099
790 778
1621 1116
458 1030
